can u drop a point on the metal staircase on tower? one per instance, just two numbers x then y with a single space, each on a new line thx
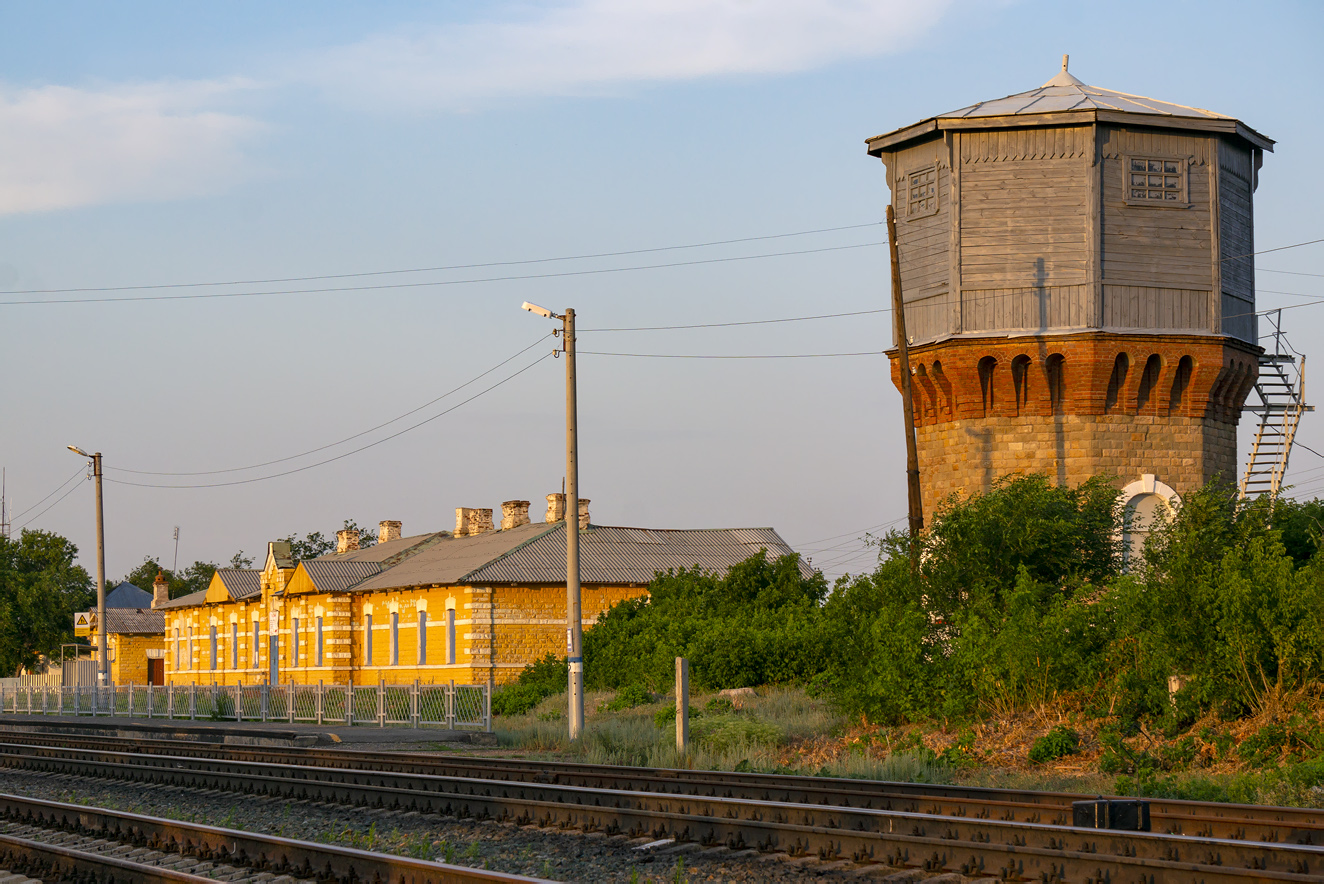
1281 387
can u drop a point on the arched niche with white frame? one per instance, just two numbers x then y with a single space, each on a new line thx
1145 504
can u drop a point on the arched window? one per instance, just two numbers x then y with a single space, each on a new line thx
1116 383
294 642
234 645
947 404
422 637
1055 368
321 644
450 636
367 639
1148 381
986 367
395 638
1020 378
1146 504
1182 380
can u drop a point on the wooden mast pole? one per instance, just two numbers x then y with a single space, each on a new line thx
907 401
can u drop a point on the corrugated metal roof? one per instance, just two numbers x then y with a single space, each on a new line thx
630 555
134 620
128 595
329 575
448 560
1065 94
240 583
185 601
381 552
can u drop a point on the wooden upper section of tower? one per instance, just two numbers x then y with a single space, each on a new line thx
1070 208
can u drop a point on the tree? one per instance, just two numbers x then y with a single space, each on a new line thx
41 588
194 578
315 544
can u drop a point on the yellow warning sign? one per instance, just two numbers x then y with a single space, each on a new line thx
83 623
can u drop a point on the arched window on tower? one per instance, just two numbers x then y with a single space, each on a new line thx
1116 383
1055 368
1020 378
986 367
1148 381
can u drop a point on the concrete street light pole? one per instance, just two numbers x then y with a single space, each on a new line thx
103 664
574 618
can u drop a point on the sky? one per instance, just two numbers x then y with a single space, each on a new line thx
159 144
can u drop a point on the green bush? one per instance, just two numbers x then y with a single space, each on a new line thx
517 699
666 716
536 682
727 733
1059 742
629 697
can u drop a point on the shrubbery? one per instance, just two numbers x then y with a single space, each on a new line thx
1019 598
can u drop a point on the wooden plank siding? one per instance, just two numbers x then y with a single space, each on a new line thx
1154 307
1236 239
1029 308
924 242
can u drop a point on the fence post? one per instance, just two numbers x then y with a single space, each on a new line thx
413 705
193 701
487 713
264 698
381 702
682 704
349 702
239 701
170 701
290 700
319 701
450 706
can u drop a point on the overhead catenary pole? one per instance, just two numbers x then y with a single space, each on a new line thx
574 624
103 666
916 503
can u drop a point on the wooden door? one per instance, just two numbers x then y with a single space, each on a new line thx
156 671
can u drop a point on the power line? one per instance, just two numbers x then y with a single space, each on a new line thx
50 507
716 356
744 322
81 471
1295 245
347 453
268 463
444 282
515 263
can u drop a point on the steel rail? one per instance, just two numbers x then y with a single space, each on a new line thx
934 843
54 862
245 850
1207 819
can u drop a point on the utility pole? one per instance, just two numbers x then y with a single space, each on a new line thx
175 567
574 632
907 402
103 665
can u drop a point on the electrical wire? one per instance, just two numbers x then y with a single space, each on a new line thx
347 453
51 507
268 463
81 471
719 356
743 322
525 261
445 282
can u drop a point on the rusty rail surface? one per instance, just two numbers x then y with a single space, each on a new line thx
973 844
113 846
1290 825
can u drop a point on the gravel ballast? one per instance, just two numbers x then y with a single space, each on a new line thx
525 850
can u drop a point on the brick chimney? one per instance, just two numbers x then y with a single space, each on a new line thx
160 590
555 508
347 540
514 513
387 531
471 521
583 512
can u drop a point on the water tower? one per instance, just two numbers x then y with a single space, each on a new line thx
1079 288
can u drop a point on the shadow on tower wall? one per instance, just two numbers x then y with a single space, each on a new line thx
1054 396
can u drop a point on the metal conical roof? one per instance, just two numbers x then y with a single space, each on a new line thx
1066 99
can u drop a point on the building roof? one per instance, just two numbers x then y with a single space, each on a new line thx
338 576
1065 99
128 595
535 553
240 583
185 601
134 620
385 552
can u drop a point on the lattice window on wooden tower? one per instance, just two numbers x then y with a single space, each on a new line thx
922 192
1155 180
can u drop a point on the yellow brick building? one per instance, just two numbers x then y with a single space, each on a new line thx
135 644
471 606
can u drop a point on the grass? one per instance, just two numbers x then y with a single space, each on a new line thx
769 734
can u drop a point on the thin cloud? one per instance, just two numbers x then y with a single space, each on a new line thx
62 147
596 46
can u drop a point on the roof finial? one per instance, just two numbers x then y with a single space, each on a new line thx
1065 59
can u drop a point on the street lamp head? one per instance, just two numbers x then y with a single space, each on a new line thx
76 450
541 311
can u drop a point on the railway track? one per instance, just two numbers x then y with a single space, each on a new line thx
1001 833
56 842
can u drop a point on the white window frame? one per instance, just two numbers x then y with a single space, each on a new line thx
1181 195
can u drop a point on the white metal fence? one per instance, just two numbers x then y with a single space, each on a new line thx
54 678
448 704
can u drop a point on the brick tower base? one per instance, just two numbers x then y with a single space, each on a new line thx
1076 406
